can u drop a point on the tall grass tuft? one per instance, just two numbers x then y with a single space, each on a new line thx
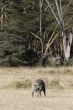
21 84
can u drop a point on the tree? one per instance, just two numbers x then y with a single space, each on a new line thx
66 41
28 26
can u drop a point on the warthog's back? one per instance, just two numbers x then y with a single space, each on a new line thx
38 86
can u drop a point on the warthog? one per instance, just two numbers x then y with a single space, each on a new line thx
38 86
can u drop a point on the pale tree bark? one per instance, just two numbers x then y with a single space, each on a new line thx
41 4
49 5
67 47
44 56
2 16
60 21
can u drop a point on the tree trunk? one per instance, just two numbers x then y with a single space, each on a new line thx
67 47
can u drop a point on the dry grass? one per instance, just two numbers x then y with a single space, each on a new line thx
57 78
20 84
15 88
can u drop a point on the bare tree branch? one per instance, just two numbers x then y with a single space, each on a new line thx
68 20
41 4
39 39
49 44
59 10
49 5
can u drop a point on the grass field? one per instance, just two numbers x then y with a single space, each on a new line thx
15 88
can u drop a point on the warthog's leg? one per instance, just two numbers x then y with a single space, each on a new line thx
32 93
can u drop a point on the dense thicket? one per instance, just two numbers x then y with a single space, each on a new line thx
20 39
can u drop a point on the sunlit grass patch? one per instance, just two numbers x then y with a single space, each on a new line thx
20 84
54 78
55 84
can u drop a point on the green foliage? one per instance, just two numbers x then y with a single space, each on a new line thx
20 18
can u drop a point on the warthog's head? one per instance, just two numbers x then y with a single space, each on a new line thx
37 87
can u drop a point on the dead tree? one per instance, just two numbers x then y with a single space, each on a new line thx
66 43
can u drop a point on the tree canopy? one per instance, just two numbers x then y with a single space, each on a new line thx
20 24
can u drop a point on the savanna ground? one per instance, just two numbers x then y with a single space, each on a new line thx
15 88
